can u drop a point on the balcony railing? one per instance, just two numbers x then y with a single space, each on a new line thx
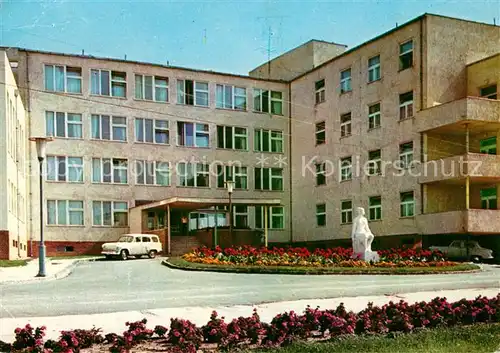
476 221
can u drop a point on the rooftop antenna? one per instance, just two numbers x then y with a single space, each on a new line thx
494 21
83 51
125 56
396 24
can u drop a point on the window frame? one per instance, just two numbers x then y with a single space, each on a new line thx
372 69
403 55
320 173
320 93
273 212
405 206
406 157
157 166
68 212
195 130
258 93
375 207
234 95
66 167
154 128
112 126
346 169
375 164
66 78
111 81
485 145
196 174
375 117
154 87
489 198
67 123
113 169
345 213
235 171
271 138
321 215
320 130
487 96
346 82
234 136
346 124
114 210
271 177
197 92
406 106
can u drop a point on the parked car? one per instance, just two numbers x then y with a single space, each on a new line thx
465 250
133 245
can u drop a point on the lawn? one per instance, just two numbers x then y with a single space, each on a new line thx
13 263
477 339
179 263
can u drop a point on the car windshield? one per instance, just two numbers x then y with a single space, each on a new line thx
126 239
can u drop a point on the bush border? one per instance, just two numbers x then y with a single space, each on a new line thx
177 263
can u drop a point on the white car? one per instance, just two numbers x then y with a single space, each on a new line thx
133 245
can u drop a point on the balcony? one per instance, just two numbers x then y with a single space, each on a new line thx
478 166
475 221
452 115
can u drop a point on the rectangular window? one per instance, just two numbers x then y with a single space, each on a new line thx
375 208
374 69
109 170
374 116
63 79
58 124
320 133
108 83
268 141
151 88
62 168
345 81
346 168
240 216
266 101
237 174
232 137
65 212
110 213
192 134
406 55
489 198
320 91
489 92
152 173
275 217
345 212
112 128
321 215
374 162
152 131
320 174
269 179
406 154
193 175
192 93
231 97
345 125
488 146
406 105
407 204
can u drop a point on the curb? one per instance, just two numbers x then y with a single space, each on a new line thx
65 272
266 271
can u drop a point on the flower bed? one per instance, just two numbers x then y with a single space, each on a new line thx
313 324
334 257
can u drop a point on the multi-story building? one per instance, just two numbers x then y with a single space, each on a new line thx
306 137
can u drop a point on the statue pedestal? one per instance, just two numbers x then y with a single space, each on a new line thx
368 256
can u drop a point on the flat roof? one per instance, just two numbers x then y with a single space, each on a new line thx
195 203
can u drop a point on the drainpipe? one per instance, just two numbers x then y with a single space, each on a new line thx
290 159
16 94
30 171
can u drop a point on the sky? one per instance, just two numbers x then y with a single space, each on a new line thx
227 36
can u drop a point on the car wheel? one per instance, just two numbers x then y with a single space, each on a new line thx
124 254
152 254
476 259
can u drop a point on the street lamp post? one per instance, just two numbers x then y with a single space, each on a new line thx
41 144
230 188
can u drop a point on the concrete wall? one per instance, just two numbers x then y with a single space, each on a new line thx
305 114
13 166
298 60
87 104
482 74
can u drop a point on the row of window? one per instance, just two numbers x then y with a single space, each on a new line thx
407 209
374 119
16 140
16 202
60 78
115 214
115 171
157 131
374 71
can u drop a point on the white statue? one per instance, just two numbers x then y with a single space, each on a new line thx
362 238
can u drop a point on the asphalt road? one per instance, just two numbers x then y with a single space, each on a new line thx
114 286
